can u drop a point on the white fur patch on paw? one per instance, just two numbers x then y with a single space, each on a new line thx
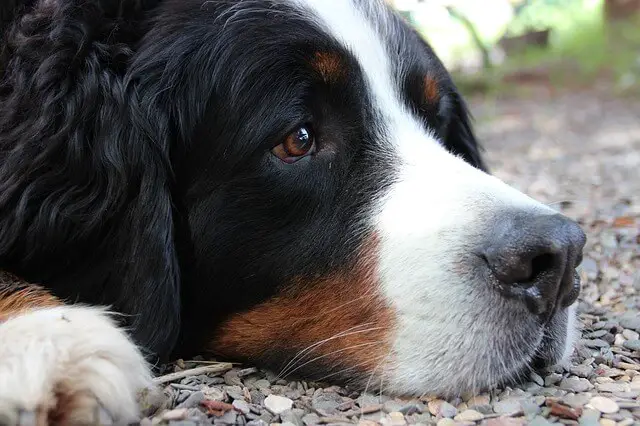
68 365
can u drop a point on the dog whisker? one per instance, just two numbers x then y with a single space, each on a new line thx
353 367
347 332
297 367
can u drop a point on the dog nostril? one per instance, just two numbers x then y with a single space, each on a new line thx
514 268
541 264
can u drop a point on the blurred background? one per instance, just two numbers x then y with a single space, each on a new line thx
552 43
554 87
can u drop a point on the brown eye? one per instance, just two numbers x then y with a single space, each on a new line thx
297 144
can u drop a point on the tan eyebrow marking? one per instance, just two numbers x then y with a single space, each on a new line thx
430 89
329 64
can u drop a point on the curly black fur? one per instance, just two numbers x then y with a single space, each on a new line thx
85 180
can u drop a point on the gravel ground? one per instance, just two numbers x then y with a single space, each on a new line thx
581 154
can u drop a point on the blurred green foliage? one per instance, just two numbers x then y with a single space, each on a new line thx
583 45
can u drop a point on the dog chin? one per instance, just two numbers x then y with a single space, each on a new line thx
555 349
504 350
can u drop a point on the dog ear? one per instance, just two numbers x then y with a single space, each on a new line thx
460 137
85 176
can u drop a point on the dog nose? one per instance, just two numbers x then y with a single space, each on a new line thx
534 257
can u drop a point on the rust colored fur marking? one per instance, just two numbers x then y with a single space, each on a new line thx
17 297
431 92
343 315
330 65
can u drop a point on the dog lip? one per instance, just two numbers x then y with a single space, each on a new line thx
571 297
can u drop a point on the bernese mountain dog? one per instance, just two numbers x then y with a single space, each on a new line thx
271 181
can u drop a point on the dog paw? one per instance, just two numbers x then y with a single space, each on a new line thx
68 365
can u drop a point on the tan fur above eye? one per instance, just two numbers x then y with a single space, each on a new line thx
430 89
330 65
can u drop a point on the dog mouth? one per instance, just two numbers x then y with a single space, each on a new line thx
554 346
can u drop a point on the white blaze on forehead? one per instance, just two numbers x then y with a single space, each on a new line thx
361 33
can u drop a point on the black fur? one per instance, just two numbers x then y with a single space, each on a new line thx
134 158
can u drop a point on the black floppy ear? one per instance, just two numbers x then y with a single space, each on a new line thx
85 176
460 138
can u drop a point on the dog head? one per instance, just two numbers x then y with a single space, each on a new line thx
308 169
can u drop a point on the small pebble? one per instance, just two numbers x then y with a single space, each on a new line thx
539 421
507 406
446 422
632 345
604 405
395 419
596 334
612 387
447 410
175 414
469 416
391 406
193 400
632 323
311 419
581 370
595 343
277 404
479 400
552 379
575 384
241 406
589 417
327 403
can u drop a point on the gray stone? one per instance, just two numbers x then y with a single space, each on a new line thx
612 387
581 370
391 406
262 383
327 402
231 378
241 406
311 419
192 400
595 343
589 417
367 400
412 408
482 408
228 418
293 416
552 379
577 399
575 384
234 392
631 322
530 408
257 397
448 410
539 421
535 378
596 334
633 345
507 406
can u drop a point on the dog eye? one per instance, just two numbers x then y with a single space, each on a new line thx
298 144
